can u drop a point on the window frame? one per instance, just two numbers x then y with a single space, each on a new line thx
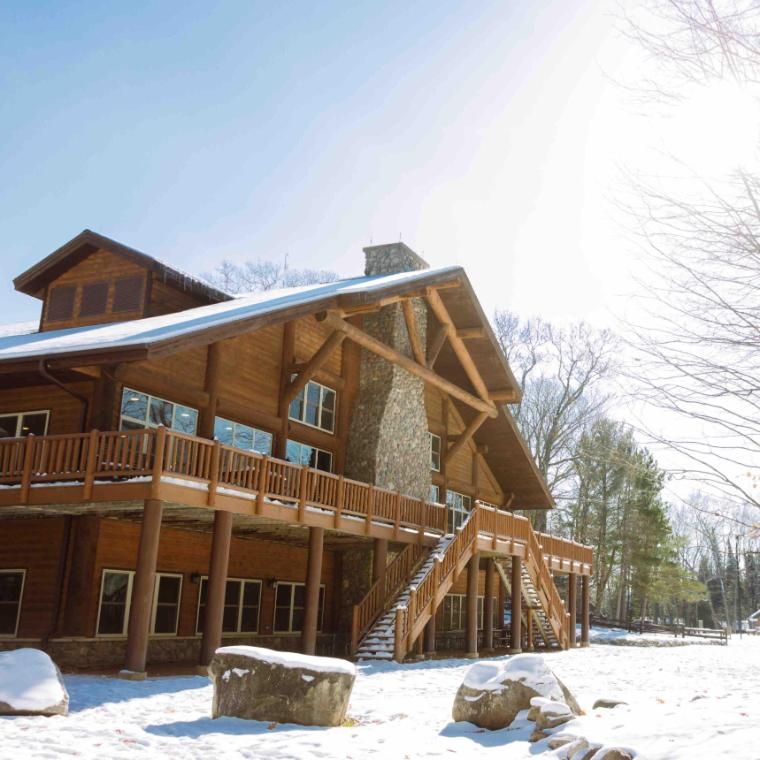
434 489
147 425
238 631
20 416
303 396
127 603
293 585
255 430
462 612
433 452
454 510
15 571
154 605
315 448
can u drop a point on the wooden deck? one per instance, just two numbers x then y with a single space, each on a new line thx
89 471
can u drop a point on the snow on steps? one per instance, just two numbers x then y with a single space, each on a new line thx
379 642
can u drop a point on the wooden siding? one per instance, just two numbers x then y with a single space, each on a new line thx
99 267
166 299
65 410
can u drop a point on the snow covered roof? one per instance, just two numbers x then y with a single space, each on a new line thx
242 312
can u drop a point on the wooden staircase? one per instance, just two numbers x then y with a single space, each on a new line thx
391 617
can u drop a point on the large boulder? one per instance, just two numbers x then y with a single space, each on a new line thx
280 687
31 684
493 692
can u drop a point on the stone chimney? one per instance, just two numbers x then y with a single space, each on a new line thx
392 258
388 443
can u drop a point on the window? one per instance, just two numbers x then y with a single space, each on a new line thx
435 494
242 601
242 436
94 299
302 453
127 294
11 591
23 423
140 410
435 452
315 406
453 614
115 597
289 604
166 598
459 507
60 304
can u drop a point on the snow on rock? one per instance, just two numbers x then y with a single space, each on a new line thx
280 687
31 684
493 692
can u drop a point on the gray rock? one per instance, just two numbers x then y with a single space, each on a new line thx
31 684
608 703
560 740
493 692
280 687
614 753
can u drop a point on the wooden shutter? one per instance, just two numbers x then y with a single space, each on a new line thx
94 299
128 294
60 304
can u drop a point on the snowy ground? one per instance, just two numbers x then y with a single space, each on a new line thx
694 702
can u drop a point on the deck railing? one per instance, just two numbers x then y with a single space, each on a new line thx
163 454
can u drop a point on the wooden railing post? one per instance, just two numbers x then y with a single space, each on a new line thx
355 629
302 492
89 470
398 644
411 613
397 516
214 479
26 475
158 462
263 483
339 501
370 510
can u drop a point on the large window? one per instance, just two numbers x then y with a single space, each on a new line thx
453 612
289 606
242 436
435 494
315 406
302 453
167 593
141 410
115 597
459 506
435 452
242 602
11 591
22 424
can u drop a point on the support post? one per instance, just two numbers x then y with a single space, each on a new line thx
488 607
500 604
311 592
430 636
217 586
379 563
572 604
142 592
473 568
585 600
516 642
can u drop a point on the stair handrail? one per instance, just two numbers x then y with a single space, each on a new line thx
426 590
383 591
556 614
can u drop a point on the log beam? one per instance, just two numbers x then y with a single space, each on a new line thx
414 335
436 344
464 439
324 352
411 366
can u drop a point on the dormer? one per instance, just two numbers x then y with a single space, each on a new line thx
95 280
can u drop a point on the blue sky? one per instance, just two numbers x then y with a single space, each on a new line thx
198 131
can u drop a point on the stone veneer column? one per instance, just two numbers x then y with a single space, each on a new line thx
388 443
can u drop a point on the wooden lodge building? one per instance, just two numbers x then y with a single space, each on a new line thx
329 468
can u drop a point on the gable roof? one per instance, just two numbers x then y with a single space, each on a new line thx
507 454
33 280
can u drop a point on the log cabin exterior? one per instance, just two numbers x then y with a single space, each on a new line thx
328 469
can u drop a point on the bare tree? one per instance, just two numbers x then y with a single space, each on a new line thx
562 374
256 276
697 336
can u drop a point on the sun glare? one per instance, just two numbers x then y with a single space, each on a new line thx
716 130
